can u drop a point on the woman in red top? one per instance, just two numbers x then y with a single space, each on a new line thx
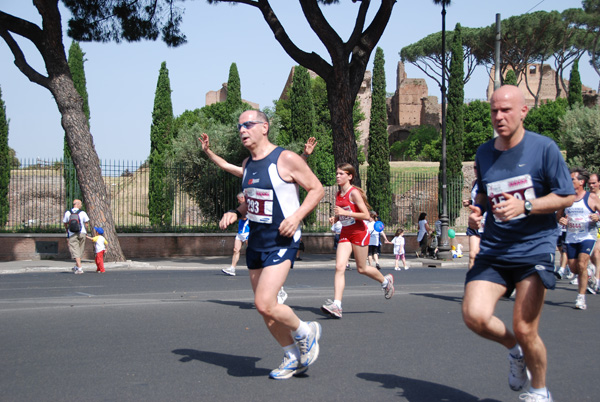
352 209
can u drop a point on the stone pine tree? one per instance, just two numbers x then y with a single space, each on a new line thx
75 60
378 172
575 98
511 78
160 192
5 164
455 124
233 103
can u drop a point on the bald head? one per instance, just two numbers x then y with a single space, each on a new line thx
509 92
508 112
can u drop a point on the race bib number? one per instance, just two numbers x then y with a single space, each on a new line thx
346 220
520 187
260 205
576 224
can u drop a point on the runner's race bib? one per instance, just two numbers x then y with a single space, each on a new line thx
260 204
520 187
346 220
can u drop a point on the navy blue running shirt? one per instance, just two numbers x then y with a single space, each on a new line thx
531 169
270 200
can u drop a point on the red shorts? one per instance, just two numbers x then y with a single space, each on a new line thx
358 237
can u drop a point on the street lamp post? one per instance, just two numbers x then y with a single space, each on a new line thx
444 246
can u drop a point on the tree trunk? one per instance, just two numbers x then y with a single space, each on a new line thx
86 161
341 103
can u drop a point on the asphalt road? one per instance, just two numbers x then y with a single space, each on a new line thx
194 335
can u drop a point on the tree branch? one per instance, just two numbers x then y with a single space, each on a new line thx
8 24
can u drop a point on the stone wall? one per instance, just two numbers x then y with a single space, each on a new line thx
17 247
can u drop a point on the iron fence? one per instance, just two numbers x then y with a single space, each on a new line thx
38 197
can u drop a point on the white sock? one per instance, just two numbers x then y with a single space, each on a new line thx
385 282
516 351
539 391
338 303
292 350
302 331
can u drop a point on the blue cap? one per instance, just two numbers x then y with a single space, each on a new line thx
99 230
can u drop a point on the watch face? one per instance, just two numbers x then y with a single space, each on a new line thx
528 206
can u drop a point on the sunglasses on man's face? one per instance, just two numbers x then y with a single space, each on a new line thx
248 124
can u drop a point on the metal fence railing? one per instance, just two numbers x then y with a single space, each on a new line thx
38 198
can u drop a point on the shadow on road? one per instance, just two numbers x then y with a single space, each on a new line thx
240 305
421 391
237 366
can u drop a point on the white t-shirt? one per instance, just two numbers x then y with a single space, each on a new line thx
374 240
398 245
83 218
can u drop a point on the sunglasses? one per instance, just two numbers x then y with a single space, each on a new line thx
249 124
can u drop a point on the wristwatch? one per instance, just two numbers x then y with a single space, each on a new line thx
528 207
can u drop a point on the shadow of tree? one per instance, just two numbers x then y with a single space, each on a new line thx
421 391
237 366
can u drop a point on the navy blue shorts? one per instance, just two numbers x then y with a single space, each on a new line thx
574 249
561 239
509 273
473 232
262 259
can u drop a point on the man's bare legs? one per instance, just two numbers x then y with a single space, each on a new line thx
478 308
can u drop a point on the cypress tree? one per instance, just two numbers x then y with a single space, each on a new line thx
511 78
5 164
160 193
575 97
302 117
233 103
76 60
455 124
378 172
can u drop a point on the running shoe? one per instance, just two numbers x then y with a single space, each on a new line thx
229 271
569 274
79 271
531 397
574 282
591 285
282 296
74 269
332 309
289 366
518 377
397 269
309 345
580 302
378 267
560 273
388 291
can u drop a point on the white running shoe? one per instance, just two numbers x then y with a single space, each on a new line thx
518 377
580 302
289 366
574 282
309 346
531 397
388 291
332 309
229 271
79 271
281 296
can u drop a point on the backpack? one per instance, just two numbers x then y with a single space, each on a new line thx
74 224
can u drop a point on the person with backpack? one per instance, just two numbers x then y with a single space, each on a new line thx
75 221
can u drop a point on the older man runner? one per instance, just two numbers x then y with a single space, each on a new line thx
270 183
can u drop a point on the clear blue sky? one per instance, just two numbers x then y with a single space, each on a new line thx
121 78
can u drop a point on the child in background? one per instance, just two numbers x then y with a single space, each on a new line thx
398 242
100 244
